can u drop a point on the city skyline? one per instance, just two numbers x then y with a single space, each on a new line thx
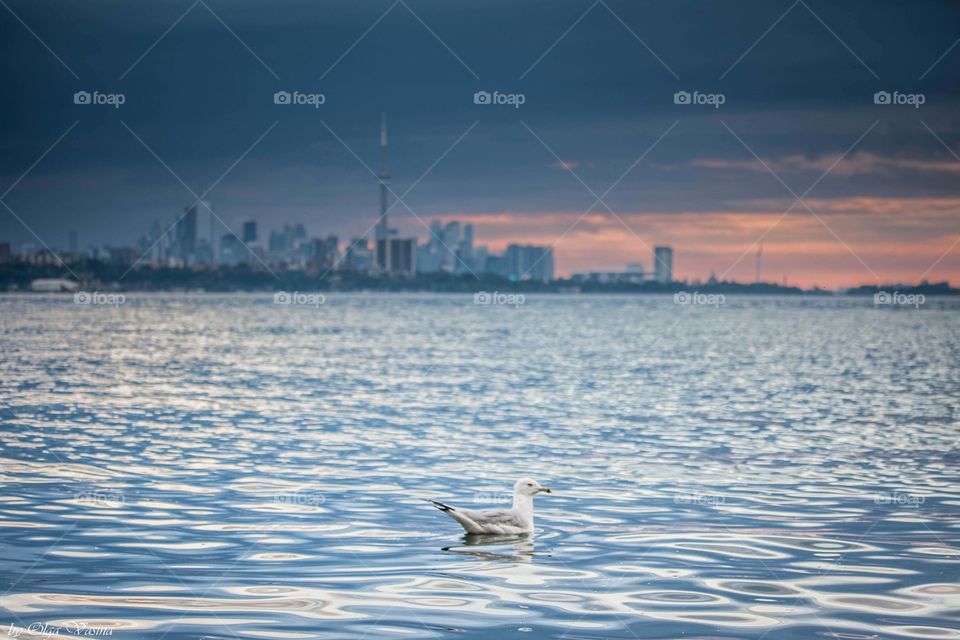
827 133
745 265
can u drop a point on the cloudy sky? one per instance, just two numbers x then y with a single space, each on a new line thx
598 160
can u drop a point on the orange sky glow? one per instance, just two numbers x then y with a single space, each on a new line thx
849 241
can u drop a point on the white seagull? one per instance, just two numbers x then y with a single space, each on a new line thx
515 520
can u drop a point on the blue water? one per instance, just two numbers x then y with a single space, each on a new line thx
224 467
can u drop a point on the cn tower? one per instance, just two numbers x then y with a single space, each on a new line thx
381 241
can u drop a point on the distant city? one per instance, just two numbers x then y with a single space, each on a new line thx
186 254
449 249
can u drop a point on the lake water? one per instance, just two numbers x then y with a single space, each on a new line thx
226 467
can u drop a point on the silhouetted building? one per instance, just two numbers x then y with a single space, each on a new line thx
451 243
123 256
43 257
289 244
232 251
663 264
480 256
185 234
324 253
250 231
203 253
430 256
497 265
529 262
464 258
397 256
358 256
608 277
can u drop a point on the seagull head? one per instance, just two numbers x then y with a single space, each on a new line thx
529 487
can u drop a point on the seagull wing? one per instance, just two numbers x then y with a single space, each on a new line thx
496 521
495 516
460 515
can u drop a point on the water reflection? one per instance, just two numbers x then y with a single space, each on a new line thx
512 548
216 466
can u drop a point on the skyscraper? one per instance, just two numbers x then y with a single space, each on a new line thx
211 237
529 262
403 256
358 256
430 255
185 236
450 247
663 264
232 252
250 231
465 251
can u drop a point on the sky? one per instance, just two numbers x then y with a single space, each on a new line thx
782 142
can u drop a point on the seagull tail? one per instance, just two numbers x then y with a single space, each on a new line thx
462 519
439 505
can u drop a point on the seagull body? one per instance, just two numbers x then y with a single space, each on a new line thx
515 520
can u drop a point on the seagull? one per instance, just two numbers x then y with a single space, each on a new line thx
515 520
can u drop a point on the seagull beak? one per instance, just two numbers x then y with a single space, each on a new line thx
545 490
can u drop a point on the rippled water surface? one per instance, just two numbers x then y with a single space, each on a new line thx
222 467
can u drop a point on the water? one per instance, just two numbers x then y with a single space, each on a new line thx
223 467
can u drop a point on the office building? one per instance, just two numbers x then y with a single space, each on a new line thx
185 234
397 256
232 251
358 256
663 264
528 262
250 231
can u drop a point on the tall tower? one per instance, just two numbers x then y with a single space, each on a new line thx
393 256
382 233
383 225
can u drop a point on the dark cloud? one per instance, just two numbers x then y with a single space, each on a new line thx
598 99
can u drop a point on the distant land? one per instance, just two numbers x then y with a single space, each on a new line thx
95 275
